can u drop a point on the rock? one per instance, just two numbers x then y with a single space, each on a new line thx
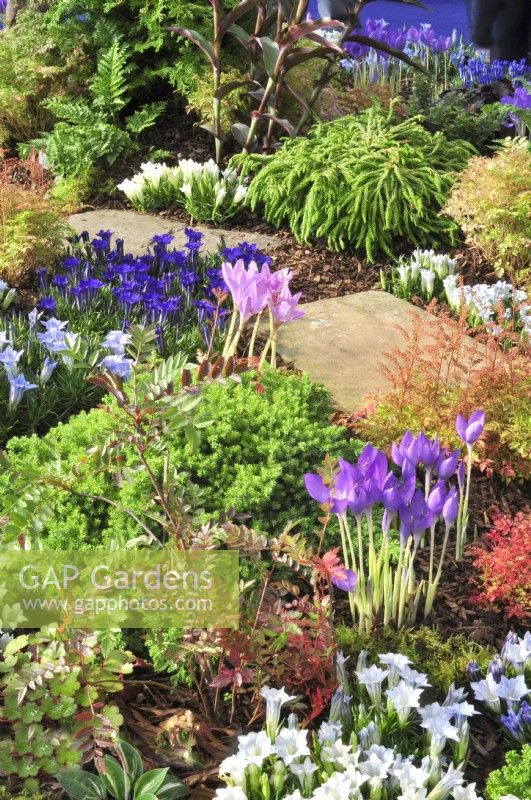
137 230
342 341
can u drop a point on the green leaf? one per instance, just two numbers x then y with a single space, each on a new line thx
16 645
114 778
240 34
271 53
81 785
133 759
147 796
172 788
199 40
150 781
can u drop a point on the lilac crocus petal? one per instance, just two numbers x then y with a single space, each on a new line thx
450 508
316 487
470 430
436 498
461 475
428 450
348 583
447 464
391 494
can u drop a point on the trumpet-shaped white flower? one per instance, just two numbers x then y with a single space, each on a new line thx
415 679
518 653
233 767
369 735
413 793
337 787
275 699
186 189
372 678
255 747
395 663
296 795
449 781
337 753
487 691
291 744
303 771
329 732
465 792
411 777
133 189
403 698
239 194
512 690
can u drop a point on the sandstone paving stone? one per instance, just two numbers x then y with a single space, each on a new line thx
137 230
341 342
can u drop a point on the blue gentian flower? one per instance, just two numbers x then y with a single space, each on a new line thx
163 238
118 365
18 386
48 304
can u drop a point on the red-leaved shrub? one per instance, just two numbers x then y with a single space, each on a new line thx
504 563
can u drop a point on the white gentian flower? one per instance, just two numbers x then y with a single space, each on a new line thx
329 732
303 772
427 282
293 720
186 189
512 690
403 698
377 767
465 792
413 793
152 173
255 747
296 795
454 696
133 189
275 699
518 653
487 691
415 679
369 735
337 787
356 778
291 744
230 793
372 678
411 777
448 782
395 662
221 193
336 753
233 767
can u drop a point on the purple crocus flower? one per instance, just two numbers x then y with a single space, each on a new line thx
450 508
447 464
407 450
470 430
436 498
428 450
346 584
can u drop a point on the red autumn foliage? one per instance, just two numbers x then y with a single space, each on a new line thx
504 563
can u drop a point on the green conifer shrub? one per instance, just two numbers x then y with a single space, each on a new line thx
362 181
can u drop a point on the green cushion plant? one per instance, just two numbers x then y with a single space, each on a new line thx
514 778
361 181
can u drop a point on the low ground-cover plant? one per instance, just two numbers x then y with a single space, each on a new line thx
491 202
514 778
56 688
504 566
435 375
98 285
379 740
504 692
444 657
252 458
359 181
206 192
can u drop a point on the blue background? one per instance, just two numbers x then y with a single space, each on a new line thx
445 15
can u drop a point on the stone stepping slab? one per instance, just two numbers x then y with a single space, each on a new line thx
342 341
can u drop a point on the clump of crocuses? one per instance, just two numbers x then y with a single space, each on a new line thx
505 691
379 741
420 506
256 290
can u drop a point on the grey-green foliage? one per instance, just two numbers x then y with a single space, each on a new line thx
362 181
252 458
89 129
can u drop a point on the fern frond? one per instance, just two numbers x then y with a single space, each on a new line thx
109 85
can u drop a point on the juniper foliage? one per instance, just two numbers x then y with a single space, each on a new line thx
360 181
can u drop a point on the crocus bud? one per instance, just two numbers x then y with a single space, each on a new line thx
470 430
450 508
461 475
446 465
436 498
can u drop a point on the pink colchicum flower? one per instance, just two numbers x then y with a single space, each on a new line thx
248 287
281 301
